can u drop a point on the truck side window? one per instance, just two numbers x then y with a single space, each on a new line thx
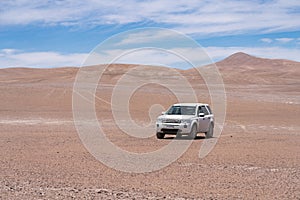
204 110
208 108
199 110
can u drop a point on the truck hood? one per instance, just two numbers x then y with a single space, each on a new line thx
176 117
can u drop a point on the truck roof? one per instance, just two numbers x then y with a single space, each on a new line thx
190 104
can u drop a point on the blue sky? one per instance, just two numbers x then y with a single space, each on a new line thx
59 33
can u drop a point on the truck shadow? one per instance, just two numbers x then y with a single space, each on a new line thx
183 138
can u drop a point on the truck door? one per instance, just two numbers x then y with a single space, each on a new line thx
203 121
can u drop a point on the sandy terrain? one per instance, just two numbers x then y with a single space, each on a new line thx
256 157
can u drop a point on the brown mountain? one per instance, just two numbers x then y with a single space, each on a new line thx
241 68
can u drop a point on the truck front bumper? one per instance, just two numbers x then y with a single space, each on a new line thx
173 128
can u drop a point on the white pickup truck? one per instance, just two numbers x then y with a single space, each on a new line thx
186 119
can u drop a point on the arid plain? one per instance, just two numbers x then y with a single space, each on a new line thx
256 157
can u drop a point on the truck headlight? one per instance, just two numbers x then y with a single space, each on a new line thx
186 121
159 120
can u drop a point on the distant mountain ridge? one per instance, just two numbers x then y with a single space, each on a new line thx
241 58
238 68
242 68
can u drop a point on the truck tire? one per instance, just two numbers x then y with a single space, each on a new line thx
160 135
210 132
193 133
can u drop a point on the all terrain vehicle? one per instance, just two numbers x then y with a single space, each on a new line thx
186 119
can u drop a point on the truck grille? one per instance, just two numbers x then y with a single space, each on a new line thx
177 121
170 131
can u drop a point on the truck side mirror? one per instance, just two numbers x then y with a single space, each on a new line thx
201 115
163 113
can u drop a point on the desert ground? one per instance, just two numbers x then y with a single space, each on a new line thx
256 157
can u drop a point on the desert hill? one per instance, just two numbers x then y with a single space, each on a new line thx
243 75
241 68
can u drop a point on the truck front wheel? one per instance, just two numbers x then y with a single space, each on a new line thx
160 135
210 132
193 133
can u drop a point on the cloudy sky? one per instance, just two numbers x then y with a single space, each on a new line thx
56 33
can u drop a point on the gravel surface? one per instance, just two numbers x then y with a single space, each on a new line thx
42 157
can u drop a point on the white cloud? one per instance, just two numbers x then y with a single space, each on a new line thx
284 40
194 17
17 58
147 36
183 57
266 40
8 51
280 40
145 56
173 57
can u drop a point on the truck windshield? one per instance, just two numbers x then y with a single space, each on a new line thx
181 110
